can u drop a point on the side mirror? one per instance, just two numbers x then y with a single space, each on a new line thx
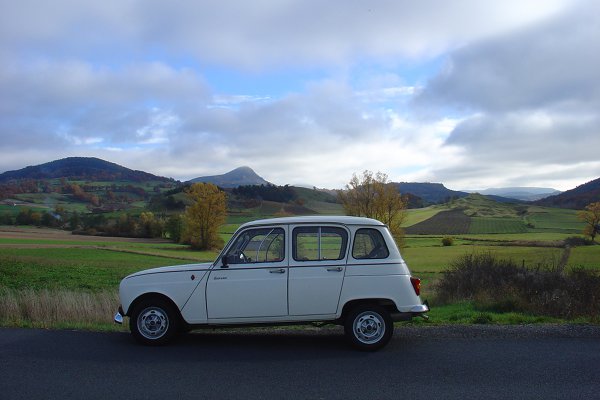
224 263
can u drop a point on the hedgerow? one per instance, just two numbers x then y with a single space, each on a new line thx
502 285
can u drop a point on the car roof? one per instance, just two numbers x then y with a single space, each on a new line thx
315 219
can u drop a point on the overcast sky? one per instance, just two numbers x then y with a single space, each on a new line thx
470 93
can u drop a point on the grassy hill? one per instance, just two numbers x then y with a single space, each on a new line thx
477 214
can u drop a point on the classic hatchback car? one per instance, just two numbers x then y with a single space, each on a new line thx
341 270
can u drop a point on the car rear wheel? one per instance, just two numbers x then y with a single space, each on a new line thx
368 327
154 322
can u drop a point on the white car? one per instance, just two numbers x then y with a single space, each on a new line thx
340 270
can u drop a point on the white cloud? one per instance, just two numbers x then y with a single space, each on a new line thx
519 88
60 103
533 103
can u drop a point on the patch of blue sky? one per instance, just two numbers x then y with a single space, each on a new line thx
265 84
402 72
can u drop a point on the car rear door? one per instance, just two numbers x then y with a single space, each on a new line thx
317 265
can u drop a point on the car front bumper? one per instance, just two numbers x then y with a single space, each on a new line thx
119 316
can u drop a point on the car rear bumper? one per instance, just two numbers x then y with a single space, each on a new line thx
423 308
416 311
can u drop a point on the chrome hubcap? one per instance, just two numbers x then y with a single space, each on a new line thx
369 327
153 323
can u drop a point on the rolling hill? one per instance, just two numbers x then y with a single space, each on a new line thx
576 198
431 193
80 168
241 176
520 193
478 214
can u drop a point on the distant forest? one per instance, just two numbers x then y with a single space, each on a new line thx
281 194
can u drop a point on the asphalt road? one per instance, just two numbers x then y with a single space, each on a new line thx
419 363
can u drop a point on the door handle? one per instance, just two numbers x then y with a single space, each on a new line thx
277 271
335 269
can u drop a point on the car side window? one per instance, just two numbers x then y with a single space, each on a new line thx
369 244
257 246
316 243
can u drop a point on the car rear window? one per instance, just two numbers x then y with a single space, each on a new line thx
369 244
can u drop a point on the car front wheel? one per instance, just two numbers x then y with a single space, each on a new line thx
154 322
368 327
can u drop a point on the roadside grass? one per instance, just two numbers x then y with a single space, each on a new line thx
58 309
466 312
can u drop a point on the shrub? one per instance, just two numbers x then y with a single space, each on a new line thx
447 241
498 285
575 241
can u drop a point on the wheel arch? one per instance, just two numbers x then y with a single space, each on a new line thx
153 295
387 304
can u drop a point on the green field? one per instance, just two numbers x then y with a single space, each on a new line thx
54 262
482 225
414 216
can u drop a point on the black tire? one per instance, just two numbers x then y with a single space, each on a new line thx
368 327
154 322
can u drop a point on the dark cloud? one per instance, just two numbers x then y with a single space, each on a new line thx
258 34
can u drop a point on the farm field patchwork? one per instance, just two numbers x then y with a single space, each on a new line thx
482 225
56 264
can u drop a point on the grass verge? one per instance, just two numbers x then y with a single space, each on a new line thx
58 309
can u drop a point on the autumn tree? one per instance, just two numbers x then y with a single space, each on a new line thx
591 216
203 218
150 226
174 227
373 196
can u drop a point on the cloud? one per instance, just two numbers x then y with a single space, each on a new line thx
83 79
549 65
532 100
320 137
60 103
261 34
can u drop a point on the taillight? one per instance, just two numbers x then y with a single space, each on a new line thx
416 283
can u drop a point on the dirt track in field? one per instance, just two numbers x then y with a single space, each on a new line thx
10 232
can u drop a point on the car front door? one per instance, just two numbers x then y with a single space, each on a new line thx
252 283
317 265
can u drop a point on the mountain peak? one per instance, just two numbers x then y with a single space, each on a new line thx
240 176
